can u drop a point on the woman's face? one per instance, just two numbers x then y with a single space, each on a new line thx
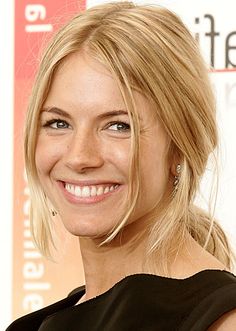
83 149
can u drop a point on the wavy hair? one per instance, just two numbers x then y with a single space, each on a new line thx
147 48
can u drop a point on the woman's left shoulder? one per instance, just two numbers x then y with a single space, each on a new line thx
227 322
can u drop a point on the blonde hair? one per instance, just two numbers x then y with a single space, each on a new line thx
149 49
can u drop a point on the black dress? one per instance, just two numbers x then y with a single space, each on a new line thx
141 302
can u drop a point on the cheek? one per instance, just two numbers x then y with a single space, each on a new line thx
118 155
46 155
154 174
153 177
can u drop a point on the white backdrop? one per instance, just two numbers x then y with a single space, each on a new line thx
200 17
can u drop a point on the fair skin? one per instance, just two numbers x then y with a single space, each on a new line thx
226 323
82 158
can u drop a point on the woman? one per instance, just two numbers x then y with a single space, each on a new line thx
119 130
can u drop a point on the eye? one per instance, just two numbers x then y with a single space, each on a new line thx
56 124
119 126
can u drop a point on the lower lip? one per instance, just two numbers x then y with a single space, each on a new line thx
86 200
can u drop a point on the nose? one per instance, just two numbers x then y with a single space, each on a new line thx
83 152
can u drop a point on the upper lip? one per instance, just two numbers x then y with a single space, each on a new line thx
88 182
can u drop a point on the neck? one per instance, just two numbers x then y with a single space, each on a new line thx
104 266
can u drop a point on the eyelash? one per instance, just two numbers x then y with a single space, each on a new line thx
127 126
49 123
53 121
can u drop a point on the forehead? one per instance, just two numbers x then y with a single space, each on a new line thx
83 83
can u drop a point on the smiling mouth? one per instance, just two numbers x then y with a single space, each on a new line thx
90 190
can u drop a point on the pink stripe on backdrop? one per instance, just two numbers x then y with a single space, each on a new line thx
36 281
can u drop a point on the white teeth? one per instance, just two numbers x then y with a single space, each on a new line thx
85 192
100 190
77 190
93 191
106 189
89 191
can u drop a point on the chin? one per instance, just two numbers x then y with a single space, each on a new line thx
87 231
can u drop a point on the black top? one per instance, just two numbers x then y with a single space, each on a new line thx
141 302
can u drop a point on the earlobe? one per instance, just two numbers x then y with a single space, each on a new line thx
176 171
175 160
173 169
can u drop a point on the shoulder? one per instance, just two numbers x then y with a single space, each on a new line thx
32 321
225 323
214 301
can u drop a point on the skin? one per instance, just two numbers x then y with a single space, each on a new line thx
90 149
226 323
79 144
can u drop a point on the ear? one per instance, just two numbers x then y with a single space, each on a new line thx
173 168
174 159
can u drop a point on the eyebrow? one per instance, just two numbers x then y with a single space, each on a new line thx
61 112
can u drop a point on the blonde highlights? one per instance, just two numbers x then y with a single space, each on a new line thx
146 48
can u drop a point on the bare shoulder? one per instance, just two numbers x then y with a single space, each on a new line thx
225 323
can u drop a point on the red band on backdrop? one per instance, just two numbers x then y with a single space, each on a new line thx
36 282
